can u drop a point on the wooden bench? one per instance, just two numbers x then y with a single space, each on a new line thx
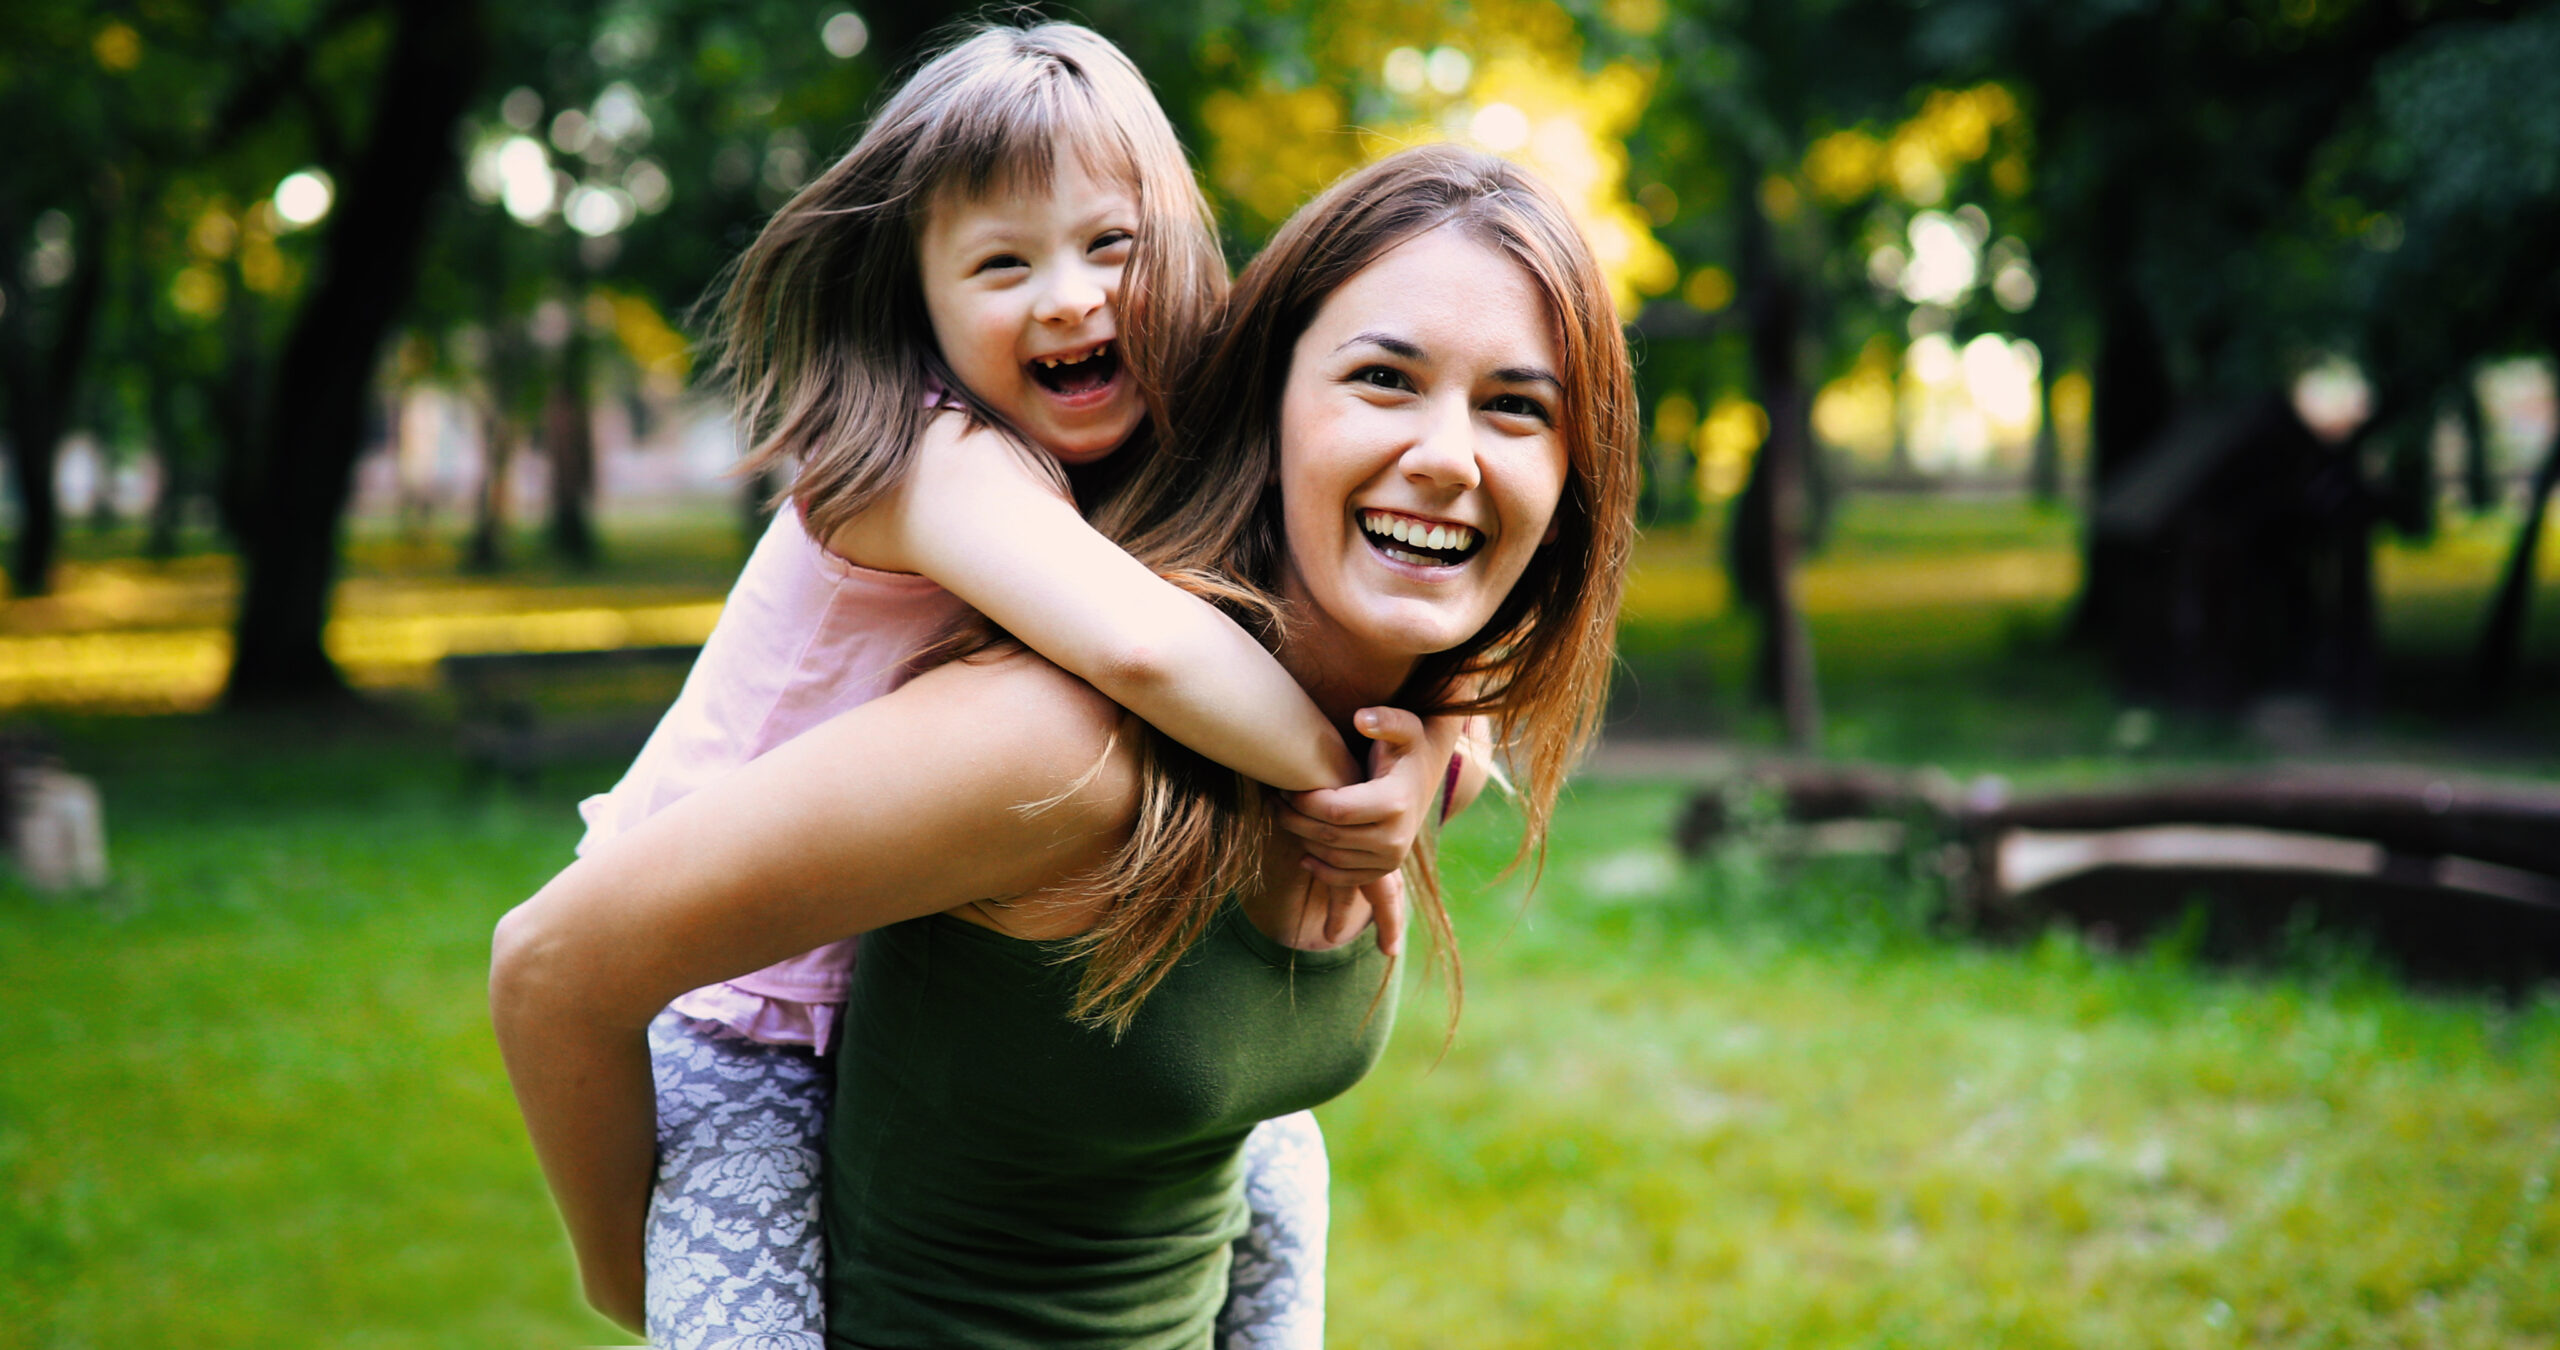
522 711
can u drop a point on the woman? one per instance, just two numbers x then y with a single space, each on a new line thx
1093 965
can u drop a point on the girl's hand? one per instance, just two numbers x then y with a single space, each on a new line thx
1357 834
1356 837
1347 909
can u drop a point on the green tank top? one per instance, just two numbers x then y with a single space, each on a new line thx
999 1176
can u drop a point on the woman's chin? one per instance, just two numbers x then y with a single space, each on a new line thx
1409 630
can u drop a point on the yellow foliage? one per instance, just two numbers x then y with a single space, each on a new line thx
2009 175
117 47
1952 129
263 266
1710 289
198 293
1779 198
1273 148
1675 420
1857 412
1727 440
655 346
1643 18
2071 397
1845 165
212 236
1917 174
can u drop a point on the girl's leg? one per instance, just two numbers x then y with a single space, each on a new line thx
1275 1289
735 1251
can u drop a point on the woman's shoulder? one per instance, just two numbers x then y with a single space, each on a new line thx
1060 740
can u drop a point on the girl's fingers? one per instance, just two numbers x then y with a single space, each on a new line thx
1352 872
1393 734
1307 827
1339 903
1358 804
1386 904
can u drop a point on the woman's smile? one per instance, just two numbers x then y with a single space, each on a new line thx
1418 541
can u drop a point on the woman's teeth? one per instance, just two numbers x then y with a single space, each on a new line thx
1424 544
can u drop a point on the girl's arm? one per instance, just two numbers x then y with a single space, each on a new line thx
975 517
915 802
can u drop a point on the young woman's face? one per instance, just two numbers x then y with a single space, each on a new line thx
1421 459
1022 288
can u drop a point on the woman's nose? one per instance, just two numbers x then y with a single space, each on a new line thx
1444 455
1072 293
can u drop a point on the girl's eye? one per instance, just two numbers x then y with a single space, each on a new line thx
1111 239
1520 405
1001 261
1381 377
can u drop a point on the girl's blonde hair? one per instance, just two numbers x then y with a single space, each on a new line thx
1206 514
820 331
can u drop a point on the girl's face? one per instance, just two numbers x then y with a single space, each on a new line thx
1022 289
1420 455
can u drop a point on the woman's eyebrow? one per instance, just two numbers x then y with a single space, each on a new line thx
1528 375
1395 345
1413 352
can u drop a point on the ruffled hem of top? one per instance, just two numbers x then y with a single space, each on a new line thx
761 1017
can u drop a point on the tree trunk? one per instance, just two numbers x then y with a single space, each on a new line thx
1769 518
315 415
2479 485
234 405
2132 405
2044 465
2502 638
177 477
568 440
41 385
487 551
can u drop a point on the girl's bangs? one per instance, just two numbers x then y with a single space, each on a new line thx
1008 139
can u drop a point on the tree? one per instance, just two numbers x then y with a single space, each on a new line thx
368 262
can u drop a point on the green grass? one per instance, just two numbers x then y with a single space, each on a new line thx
250 1100
1730 1105
248 1096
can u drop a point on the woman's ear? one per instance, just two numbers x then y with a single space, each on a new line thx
1554 528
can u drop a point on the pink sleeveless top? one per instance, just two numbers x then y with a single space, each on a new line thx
805 635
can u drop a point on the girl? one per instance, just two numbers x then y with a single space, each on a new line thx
966 324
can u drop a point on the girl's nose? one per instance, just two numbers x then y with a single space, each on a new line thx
1444 455
1072 294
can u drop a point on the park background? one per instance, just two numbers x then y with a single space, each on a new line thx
2037 398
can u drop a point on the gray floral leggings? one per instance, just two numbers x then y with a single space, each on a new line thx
736 1256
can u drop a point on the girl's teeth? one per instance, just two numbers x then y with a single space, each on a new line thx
1439 538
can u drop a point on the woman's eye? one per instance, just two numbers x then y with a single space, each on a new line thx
1520 405
1381 377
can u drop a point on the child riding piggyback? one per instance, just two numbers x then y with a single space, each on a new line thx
958 338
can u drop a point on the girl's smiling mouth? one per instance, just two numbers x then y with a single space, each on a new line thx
1417 542
1080 374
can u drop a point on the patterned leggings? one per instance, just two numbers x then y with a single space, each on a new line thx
736 1255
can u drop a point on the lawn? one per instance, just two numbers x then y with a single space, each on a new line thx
249 1096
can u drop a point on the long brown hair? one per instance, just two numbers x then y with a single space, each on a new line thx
1205 513
820 331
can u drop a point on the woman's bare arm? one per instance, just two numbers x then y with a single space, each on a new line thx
914 803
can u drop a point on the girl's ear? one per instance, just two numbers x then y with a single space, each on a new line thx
1554 528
